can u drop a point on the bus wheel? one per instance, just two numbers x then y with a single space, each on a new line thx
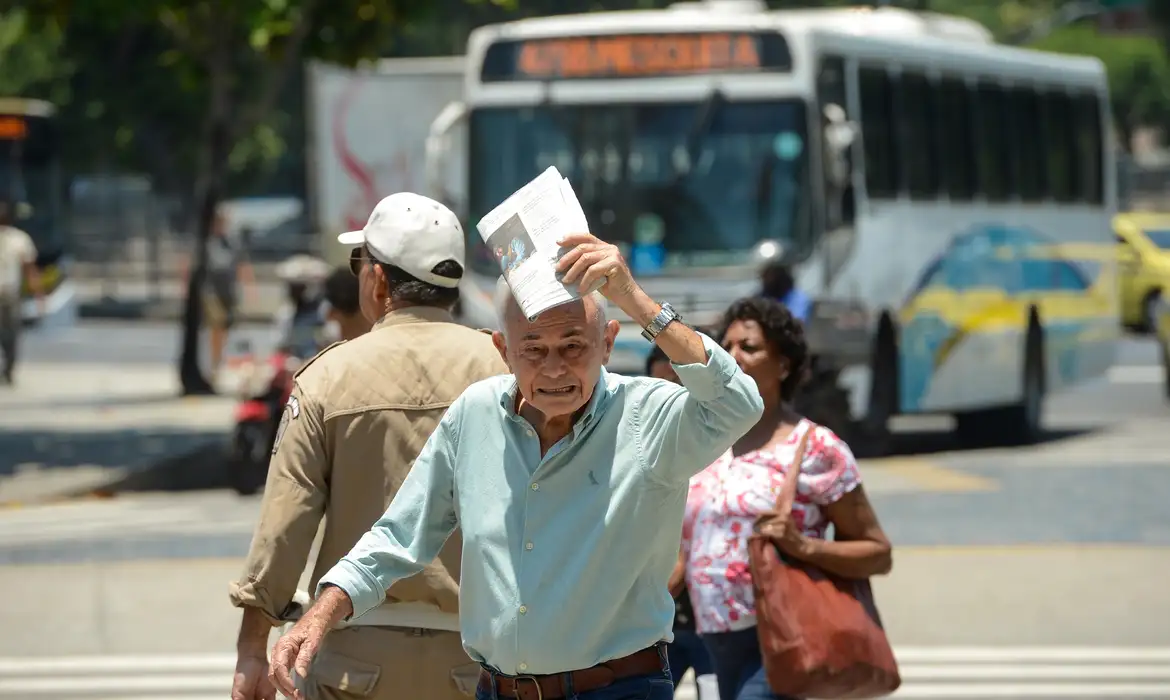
1150 306
1021 423
874 433
1165 345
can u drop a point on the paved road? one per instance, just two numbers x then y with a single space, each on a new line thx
1062 548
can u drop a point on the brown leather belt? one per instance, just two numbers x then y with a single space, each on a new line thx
554 686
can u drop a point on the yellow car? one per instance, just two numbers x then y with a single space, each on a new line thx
1143 243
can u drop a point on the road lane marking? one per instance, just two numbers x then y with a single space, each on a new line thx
1136 374
927 672
927 475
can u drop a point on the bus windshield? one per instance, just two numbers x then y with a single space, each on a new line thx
677 185
28 175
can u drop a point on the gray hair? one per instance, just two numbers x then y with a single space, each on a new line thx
504 301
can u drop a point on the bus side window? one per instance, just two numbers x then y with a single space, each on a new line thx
1060 146
919 114
954 136
991 143
1026 130
1089 148
878 133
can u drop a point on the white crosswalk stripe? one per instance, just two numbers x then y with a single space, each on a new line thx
143 515
928 672
1136 374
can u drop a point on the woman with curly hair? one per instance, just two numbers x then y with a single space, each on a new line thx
737 493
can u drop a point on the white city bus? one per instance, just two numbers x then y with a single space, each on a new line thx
945 200
30 179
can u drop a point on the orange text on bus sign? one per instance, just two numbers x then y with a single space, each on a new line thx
13 129
638 55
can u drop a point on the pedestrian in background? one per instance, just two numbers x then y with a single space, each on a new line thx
18 266
777 282
686 652
737 495
358 416
228 270
568 484
343 311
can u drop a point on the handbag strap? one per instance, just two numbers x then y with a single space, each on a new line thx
787 496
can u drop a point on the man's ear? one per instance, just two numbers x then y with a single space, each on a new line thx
501 347
611 333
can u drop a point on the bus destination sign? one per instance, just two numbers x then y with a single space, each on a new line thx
636 56
13 128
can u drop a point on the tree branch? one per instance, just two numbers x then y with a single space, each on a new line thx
276 79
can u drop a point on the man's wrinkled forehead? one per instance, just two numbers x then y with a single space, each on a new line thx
559 322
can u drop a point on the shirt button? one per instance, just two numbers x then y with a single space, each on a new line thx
528 546
530 433
523 609
536 487
523 667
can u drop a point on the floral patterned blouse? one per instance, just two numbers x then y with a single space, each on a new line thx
722 506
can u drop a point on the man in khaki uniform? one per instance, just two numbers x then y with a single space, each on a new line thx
358 416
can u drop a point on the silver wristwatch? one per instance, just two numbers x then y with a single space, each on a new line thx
661 321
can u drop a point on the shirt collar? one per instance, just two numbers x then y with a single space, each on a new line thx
414 314
596 400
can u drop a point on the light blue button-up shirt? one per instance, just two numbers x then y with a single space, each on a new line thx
566 556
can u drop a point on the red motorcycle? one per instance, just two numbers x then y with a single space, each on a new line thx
264 389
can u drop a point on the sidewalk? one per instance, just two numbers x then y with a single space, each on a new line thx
69 428
136 299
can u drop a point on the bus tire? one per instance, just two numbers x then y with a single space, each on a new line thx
875 438
1021 423
1165 345
1150 304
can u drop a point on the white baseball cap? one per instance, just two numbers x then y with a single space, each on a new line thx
414 233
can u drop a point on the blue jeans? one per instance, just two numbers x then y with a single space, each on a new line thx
655 686
688 651
739 666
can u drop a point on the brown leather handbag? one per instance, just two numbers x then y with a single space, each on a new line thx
820 635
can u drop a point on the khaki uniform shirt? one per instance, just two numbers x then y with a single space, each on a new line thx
359 414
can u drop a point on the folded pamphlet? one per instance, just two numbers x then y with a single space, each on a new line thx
522 234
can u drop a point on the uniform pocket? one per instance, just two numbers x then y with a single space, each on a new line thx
466 678
340 672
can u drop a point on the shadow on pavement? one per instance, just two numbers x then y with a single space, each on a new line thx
32 449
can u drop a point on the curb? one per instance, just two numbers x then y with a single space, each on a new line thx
196 469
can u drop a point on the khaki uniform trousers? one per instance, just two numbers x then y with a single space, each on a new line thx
383 663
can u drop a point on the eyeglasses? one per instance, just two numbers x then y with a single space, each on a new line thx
357 259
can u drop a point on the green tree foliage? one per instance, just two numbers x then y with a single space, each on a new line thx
1139 74
30 58
189 81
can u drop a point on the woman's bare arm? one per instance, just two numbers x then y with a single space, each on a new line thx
860 548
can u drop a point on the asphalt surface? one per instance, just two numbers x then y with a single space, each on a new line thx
1019 573
1102 477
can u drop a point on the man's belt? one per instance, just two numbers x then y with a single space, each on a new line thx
554 686
407 615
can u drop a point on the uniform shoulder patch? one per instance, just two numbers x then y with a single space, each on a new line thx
314 358
291 411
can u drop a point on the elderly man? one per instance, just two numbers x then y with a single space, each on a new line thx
359 414
569 484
